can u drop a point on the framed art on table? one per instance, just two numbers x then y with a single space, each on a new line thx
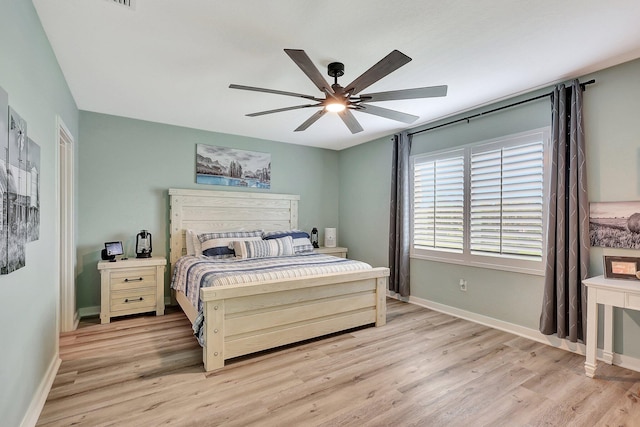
616 267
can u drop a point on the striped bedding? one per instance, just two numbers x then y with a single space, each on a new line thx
193 272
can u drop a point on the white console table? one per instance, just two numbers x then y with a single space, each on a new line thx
611 293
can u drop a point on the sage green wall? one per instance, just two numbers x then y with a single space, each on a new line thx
126 167
365 186
612 131
37 90
507 296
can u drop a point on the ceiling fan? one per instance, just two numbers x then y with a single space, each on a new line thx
343 100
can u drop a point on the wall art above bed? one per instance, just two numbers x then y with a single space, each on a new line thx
228 166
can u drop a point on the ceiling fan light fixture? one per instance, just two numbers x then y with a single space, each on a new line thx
343 100
335 107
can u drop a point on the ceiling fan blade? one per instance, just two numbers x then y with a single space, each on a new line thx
279 110
311 120
420 92
277 92
385 66
304 62
386 113
349 120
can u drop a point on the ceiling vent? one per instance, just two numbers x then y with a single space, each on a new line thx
131 4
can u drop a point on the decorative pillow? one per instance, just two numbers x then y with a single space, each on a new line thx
194 247
264 248
301 242
218 244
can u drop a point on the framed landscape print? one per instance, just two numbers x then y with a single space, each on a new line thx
615 224
228 166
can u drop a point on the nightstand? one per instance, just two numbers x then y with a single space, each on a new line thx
337 251
131 286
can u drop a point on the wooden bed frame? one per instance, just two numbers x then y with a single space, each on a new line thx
243 319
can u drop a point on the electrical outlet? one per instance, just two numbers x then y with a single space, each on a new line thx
463 285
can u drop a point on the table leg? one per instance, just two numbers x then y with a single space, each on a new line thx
592 334
607 354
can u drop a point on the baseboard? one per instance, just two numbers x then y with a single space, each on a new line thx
89 311
621 360
627 362
40 397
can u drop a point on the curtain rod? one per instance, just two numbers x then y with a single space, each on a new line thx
504 107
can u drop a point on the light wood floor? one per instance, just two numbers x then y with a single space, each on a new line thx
423 369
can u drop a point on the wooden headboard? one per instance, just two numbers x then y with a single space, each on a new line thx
210 210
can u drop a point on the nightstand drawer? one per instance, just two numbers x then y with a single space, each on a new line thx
132 278
134 299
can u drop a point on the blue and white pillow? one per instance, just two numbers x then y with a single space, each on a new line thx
301 242
264 248
219 245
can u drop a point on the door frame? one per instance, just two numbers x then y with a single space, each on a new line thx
65 146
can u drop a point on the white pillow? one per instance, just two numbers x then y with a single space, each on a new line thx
188 238
197 246
194 247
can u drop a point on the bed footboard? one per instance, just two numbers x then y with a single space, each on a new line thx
243 319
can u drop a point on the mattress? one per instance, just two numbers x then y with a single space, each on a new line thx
194 272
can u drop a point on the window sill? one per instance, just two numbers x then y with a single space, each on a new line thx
481 264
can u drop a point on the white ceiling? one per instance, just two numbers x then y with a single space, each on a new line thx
172 61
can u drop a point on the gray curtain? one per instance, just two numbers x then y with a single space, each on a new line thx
399 228
564 300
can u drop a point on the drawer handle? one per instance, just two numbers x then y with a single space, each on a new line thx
134 300
139 279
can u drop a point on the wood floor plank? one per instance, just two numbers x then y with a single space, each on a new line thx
421 368
519 404
624 412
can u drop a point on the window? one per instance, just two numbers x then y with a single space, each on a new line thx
438 203
482 205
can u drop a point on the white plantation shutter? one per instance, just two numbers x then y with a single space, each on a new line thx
506 201
483 205
438 196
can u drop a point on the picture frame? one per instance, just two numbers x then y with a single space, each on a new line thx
618 267
229 166
615 224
